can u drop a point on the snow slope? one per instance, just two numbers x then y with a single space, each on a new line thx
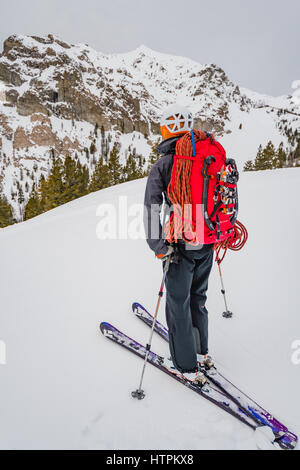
66 386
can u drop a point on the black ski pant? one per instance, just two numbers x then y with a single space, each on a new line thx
186 314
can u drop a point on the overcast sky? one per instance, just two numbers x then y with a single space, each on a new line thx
256 42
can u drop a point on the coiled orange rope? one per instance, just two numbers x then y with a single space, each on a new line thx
235 242
180 192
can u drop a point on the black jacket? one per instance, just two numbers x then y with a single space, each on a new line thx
156 193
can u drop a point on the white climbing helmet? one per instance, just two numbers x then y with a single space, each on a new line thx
175 120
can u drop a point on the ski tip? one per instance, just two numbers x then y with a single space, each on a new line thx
104 326
135 306
287 441
266 439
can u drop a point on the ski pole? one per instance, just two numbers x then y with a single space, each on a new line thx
227 313
139 393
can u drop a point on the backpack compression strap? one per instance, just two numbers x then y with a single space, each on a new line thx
206 164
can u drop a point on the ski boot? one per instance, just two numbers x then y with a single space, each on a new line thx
196 377
205 361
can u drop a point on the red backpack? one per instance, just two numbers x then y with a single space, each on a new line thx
202 190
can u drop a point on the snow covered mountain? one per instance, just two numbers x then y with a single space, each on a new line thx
65 386
58 96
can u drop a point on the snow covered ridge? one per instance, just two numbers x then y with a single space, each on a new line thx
53 95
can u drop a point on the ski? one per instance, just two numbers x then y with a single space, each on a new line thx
250 407
208 391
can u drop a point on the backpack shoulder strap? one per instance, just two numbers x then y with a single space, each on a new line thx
193 143
210 136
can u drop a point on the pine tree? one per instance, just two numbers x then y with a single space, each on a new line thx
264 158
248 166
75 178
82 179
269 154
21 197
105 149
280 157
101 177
115 168
42 192
93 148
69 176
6 213
33 206
154 156
54 187
132 170
258 159
140 170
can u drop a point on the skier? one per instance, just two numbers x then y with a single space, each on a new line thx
187 277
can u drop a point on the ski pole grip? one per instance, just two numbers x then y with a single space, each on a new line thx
167 264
